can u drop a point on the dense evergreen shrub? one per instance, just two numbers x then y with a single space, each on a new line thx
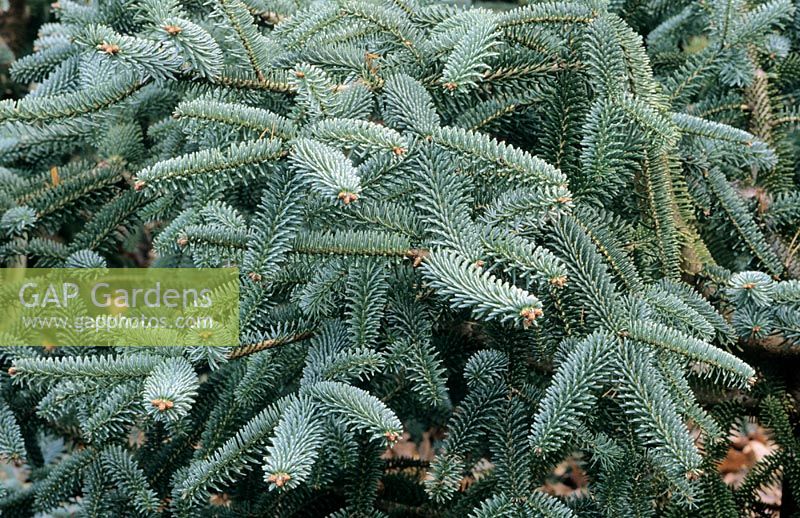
568 229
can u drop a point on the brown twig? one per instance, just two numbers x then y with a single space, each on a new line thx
245 350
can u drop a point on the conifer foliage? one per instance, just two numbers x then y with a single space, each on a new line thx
564 230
